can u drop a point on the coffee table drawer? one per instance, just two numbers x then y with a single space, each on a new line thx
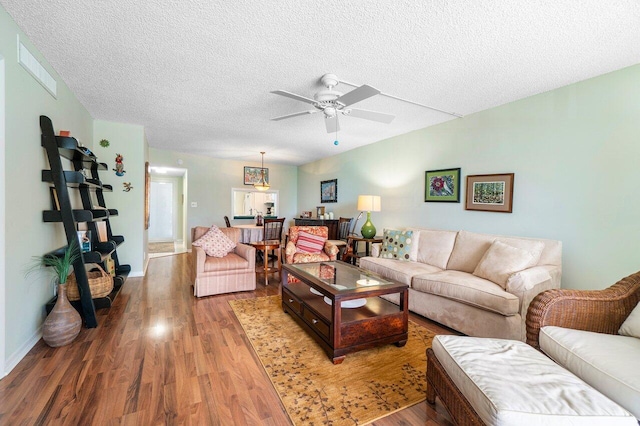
292 301
316 323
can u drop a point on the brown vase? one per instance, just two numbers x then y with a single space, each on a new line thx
63 324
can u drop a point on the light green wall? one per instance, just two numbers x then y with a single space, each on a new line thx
129 141
26 196
209 183
574 152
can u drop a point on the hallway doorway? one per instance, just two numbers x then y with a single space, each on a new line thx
167 214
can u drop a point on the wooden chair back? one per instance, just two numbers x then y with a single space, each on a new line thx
226 221
343 227
273 229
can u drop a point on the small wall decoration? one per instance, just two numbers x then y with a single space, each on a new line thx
490 193
104 143
120 171
329 191
253 175
442 186
127 186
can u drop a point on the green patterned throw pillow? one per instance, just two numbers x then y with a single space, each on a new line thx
396 244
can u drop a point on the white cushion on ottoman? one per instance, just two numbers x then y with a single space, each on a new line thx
608 362
509 383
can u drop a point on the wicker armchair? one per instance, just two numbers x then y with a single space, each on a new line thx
601 311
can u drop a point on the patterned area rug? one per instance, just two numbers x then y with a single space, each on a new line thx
368 385
162 247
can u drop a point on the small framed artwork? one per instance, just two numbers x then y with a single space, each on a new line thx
329 191
254 175
490 193
442 186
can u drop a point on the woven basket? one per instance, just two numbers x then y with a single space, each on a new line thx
100 284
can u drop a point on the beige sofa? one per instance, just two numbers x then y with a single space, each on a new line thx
216 275
443 287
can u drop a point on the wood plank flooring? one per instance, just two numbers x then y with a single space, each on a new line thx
160 356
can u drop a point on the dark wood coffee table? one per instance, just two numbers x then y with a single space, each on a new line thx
326 315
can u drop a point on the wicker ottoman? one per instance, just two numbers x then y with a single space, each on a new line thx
505 382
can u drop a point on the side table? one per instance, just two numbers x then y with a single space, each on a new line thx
351 253
266 247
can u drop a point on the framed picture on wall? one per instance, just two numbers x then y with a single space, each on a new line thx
490 193
442 186
253 175
329 191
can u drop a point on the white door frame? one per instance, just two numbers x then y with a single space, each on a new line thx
3 323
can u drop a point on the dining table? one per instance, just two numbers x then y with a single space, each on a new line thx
250 233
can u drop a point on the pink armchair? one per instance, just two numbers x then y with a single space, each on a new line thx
330 251
216 275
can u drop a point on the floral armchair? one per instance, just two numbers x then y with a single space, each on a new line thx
330 250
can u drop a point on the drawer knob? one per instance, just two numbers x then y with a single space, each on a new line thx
290 300
315 321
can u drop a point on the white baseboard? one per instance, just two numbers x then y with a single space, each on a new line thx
135 274
17 356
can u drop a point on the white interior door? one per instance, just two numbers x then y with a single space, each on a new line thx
162 214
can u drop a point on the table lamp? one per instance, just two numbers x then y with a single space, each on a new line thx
368 203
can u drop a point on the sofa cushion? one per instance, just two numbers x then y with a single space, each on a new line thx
401 272
227 263
631 326
467 289
396 244
502 260
509 383
535 247
608 362
434 247
215 243
468 250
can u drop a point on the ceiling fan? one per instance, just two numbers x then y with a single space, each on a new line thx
332 103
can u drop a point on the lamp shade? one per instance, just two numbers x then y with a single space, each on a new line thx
369 203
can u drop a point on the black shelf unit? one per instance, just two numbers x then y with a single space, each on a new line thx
61 211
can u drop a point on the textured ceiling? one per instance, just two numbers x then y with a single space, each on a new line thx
197 74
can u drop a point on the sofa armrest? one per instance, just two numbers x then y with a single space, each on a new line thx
247 252
289 251
198 257
601 311
331 250
375 249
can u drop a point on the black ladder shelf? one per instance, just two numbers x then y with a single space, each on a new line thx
67 147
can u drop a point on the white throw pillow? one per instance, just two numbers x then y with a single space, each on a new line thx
631 326
502 260
215 243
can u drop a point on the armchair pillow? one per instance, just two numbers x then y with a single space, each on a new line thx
308 243
215 243
631 326
502 260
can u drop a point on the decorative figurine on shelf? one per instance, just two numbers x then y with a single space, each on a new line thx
127 186
104 143
119 165
259 219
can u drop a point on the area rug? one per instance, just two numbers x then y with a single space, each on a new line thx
162 247
368 385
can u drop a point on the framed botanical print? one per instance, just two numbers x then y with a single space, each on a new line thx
490 193
442 186
329 191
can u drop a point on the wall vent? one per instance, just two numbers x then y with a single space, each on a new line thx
35 68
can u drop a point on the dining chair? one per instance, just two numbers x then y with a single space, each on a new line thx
226 221
273 231
344 224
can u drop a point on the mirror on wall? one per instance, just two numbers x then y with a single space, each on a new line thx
248 202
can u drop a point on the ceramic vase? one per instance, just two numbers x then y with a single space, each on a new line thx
63 324
368 230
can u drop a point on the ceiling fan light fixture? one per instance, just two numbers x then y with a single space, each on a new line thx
262 184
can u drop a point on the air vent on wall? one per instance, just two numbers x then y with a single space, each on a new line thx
35 68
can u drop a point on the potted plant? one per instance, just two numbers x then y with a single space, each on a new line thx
63 323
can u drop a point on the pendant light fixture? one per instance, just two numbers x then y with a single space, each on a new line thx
262 184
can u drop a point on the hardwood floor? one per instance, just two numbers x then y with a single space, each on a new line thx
161 356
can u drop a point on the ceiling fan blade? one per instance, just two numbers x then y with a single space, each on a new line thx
295 114
332 124
294 96
358 94
370 115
